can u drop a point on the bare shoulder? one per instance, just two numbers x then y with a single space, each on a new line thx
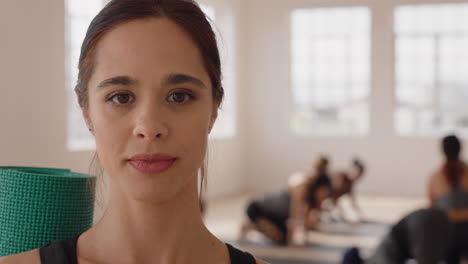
28 257
436 178
259 261
296 178
464 180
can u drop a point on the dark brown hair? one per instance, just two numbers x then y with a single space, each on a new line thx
185 13
357 163
453 165
321 164
320 180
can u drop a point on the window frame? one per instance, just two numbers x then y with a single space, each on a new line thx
338 107
436 85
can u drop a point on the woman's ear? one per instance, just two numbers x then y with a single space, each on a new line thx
88 121
214 116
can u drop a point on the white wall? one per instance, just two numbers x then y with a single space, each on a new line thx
33 117
395 165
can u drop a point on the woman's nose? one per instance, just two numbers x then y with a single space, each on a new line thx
150 123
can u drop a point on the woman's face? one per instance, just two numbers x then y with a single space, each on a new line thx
150 108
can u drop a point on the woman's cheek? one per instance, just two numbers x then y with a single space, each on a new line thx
108 144
194 143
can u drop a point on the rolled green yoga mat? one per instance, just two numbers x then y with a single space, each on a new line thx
38 205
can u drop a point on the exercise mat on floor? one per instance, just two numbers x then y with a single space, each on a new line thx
289 261
38 205
323 246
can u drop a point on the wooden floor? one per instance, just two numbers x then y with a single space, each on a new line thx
224 217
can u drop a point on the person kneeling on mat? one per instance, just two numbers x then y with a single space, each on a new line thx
279 214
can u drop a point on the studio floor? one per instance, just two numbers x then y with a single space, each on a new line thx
224 217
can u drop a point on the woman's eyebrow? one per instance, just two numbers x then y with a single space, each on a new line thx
117 80
180 78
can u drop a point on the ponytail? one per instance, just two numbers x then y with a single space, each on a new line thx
453 172
451 146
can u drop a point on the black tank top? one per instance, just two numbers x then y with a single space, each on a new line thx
64 252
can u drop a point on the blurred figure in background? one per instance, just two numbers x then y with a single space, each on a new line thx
448 190
431 235
279 214
421 235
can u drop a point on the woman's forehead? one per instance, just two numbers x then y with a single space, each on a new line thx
148 45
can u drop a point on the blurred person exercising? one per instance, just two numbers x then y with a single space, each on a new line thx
448 190
433 234
277 215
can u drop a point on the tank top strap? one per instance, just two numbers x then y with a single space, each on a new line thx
240 257
59 252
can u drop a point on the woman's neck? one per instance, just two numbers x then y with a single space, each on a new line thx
173 231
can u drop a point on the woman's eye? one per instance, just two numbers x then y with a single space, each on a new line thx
121 99
180 97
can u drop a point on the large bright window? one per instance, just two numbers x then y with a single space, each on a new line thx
431 63
330 71
78 15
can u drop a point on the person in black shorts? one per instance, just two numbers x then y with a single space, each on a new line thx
278 214
149 86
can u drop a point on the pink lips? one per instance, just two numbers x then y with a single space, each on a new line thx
151 163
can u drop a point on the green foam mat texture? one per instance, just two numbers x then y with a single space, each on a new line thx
39 205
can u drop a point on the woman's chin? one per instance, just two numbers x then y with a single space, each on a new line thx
157 191
152 194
